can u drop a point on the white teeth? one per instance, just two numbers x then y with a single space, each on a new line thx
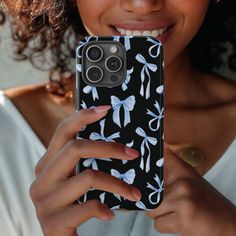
146 33
128 32
122 31
136 33
153 33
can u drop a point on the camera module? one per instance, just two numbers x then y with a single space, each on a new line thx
94 74
113 63
94 53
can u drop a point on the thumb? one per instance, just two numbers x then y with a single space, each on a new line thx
175 167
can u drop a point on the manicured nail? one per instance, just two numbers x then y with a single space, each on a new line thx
131 152
136 193
101 109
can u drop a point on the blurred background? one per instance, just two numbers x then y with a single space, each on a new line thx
14 73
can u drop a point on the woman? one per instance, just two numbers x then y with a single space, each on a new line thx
200 114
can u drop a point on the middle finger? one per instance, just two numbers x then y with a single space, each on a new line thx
66 159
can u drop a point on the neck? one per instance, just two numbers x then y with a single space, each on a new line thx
180 82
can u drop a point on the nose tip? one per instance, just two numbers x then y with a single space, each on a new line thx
142 7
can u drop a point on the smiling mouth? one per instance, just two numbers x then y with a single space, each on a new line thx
154 33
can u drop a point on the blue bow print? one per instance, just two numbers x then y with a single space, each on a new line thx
96 136
127 177
88 89
146 141
78 67
84 106
102 200
128 77
160 89
156 117
141 205
146 68
156 44
93 162
128 105
126 43
160 162
156 191
102 197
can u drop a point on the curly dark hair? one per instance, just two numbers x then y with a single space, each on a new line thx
45 29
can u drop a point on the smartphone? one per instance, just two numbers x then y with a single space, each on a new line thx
127 73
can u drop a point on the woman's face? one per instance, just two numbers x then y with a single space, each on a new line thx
174 22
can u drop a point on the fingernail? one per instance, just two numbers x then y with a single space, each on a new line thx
101 109
131 152
136 193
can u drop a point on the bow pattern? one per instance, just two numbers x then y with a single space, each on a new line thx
97 136
128 77
156 191
160 162
84 106
156 117
93 162
127 177
126 43
128 105
79 67
88 89
160 89
146 141
141 205
155 45
146 67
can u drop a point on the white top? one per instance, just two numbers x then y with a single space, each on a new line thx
20 150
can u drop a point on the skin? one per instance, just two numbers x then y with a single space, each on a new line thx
193 101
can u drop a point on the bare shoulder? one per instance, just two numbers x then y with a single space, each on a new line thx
36 100
26 92
38 106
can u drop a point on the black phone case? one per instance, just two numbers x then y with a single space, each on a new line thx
136 120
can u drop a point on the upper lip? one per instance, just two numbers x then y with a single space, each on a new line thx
142 26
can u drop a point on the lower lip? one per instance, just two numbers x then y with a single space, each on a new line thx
163 38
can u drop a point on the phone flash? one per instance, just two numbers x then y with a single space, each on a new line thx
113 49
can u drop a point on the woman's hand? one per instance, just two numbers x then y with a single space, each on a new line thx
191 206
56 188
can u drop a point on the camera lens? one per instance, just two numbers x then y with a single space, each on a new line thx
94 74
94 53
113 63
